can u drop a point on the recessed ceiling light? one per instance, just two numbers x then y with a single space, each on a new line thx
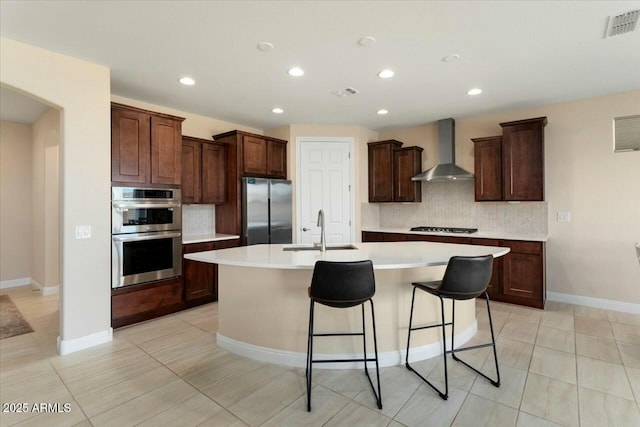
382 111
187 81
278 110
474 91
385 74
451 58
296 72
367 41
265 46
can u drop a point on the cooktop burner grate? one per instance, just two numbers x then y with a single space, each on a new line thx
445 229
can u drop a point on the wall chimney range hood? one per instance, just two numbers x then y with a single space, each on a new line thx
446 169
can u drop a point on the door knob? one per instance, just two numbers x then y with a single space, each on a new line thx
306 229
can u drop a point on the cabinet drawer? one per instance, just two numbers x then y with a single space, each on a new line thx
223 244
523 247
197 247
147 299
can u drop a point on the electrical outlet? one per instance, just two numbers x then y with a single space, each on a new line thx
564 216
83 231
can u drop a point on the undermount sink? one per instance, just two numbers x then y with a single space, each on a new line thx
308 247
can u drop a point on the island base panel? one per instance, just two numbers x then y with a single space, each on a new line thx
269 308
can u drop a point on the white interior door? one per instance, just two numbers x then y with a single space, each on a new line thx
325 175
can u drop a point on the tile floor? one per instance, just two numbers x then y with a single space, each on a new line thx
566 365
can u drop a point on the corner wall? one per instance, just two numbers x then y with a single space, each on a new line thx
81 91
15 204
46 206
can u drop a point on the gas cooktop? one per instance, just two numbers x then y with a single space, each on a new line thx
445 229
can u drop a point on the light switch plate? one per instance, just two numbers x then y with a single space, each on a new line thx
83 231
564 216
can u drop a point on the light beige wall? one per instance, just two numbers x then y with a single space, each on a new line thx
46 195
15 201
194 124
593 255
82 92
425 136
360 136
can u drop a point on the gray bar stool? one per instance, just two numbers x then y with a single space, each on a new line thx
342 285
465 278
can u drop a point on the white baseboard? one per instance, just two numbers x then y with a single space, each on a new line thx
45 291
626 307
82 343
299 360
14 283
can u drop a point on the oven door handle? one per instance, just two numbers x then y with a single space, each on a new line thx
146 205
144 236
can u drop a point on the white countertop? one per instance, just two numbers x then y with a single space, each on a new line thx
480 234
200 238
388 255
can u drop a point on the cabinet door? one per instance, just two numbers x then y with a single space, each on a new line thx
523 160
191 153
129 146
372 236
213 173
488 168
254 155
199 277
495 284
277 159
380 173
523 275
166 151
407 163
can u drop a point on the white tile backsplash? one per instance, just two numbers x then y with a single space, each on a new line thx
198 219
452 204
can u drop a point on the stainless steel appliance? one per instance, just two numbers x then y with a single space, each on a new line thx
266 211
432 229
146 241
136 210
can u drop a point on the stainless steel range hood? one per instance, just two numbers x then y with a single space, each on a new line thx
446 169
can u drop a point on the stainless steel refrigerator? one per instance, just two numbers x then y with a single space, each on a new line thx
266 211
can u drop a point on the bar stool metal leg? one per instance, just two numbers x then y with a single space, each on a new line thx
444 395
495 382
375 350
309 355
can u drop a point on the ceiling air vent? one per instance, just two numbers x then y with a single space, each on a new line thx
346 92
623 23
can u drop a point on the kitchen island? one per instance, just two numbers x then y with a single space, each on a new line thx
264 306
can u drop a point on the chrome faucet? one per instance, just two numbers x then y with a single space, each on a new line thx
323 244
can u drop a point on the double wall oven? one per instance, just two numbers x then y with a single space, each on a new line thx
146 236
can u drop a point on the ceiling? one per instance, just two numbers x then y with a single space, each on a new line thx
19 108
521 54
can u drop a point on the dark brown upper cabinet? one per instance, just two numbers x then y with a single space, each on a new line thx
523 159
511 166
407 163
203 171
246 154
390 170
263 156
488 168
145 146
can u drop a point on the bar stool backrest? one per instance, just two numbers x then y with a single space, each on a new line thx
342 284
466 277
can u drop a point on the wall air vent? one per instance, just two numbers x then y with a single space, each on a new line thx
623 23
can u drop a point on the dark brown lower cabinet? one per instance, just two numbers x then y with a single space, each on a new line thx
518 277
133 304
201 278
